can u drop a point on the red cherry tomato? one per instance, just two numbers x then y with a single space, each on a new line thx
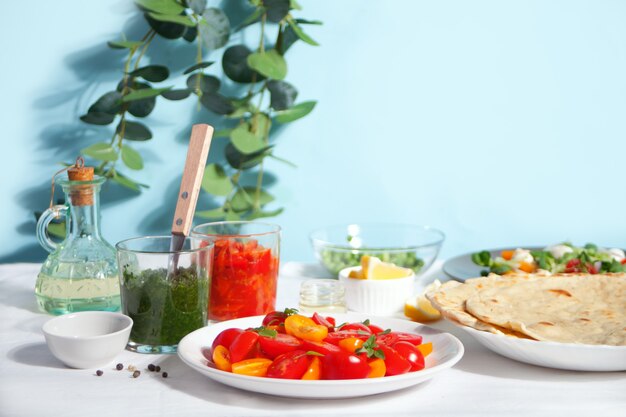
336 337
572 266
320 347
290 365
225 338
242 346
392 338
375 329
356 327
411 354
323 321
282 343
344 365
394 362
274 318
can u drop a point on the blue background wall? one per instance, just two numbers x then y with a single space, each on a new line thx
500 122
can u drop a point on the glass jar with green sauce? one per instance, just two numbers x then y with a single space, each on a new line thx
165 293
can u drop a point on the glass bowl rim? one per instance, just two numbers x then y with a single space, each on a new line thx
438 240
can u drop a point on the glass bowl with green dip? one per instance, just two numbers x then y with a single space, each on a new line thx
165 293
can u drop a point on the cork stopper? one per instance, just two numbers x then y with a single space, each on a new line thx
81 195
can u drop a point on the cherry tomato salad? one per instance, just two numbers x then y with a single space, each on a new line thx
289 345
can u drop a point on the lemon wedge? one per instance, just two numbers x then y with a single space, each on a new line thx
374 268
420 309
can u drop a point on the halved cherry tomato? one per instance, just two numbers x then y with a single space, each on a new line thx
392 338
252 367
356 326
337 336
623 261
344 365
591 268
226 337
351 344
394 362
375 329
507 255
242 346
377 368
320 347
290 365
282 343
411 354
274 318
305 328
323 321
425 348
314 371
221 358
572 266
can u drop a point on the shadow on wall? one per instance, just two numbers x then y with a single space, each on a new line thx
61 142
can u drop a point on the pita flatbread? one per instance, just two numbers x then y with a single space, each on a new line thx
581 308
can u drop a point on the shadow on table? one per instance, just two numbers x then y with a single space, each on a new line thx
34 354
184 379
15 295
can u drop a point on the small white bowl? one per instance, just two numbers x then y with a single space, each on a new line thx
87 339
380 297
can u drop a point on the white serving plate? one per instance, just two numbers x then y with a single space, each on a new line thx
570 356
447 351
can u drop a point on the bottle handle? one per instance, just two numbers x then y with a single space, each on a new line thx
47 216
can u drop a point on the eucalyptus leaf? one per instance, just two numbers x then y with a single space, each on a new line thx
171 18
300 32
197 6
215 181
153 73
198 66
269 63
57 230
245 141
217 103
142 108
179 94
222 133
143 94
253 18
231 216
258 214
131 158
161 6
110 102
167 30
309 22
288 38
282 94
235 65
244 199
101 151
276 9
134 131
261 124
190 34
294 5
124 44
216 213
295 112
214 29
100 119
206 83
239 160
126 182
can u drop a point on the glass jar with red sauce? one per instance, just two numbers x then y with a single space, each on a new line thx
245 268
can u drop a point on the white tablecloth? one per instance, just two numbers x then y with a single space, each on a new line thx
34 383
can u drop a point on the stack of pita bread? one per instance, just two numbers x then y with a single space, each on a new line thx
566 308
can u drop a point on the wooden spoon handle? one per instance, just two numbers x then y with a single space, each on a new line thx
197 154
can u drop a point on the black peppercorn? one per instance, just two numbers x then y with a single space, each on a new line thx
99 372
119 366
151 368
157 368
164 374
136 374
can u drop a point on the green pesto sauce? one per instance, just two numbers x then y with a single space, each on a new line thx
164 311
